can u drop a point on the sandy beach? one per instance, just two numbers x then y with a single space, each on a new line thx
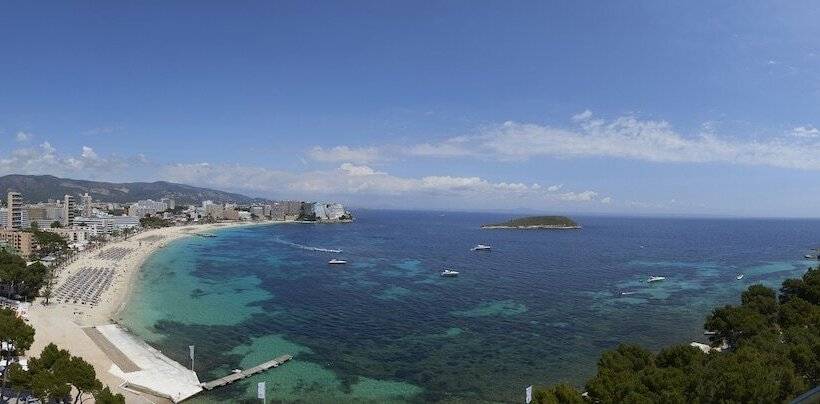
66 324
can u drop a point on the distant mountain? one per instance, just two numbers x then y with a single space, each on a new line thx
41 188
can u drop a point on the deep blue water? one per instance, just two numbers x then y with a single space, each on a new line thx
538 309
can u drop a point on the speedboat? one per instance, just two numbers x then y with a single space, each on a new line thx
627 293
739 276
656 279
482 247
449 272
337 262
808 257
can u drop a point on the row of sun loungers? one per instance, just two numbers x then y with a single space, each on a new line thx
86 286
114 253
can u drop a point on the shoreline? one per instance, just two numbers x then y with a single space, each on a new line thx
533 227
65 324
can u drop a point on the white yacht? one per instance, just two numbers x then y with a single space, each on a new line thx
335 261
739 276
482 247
656 279
449 272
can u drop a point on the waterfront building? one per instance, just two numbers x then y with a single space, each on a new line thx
14 211
146 207
87 205
215 211
259 211
170 202
73 235
21 241
69 206
44 214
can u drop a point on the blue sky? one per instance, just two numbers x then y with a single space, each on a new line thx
617 107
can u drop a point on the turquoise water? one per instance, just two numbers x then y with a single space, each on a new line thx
538 309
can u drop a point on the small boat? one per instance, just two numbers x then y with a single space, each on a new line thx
656 279
808 256
627 293
482 247
739 276
336 262
236 371
449 272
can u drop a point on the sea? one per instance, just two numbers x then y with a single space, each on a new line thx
537 309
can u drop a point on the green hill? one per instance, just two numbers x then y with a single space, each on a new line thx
536 222
40 188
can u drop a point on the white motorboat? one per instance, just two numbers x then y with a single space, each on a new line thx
739 276
655 279
337 262
449 272
482 247
627 293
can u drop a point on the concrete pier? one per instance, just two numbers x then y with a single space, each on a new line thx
223 381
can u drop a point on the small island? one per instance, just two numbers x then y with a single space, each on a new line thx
536 222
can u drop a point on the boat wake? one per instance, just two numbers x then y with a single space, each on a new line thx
307 247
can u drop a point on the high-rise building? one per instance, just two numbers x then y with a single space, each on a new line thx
86 201
170 202
14 214
68 210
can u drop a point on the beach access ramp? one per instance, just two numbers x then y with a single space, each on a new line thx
142 367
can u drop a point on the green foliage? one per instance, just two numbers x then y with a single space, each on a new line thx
49 244
559 394
56 373
105 396
21 280
773 356
155 222
56 224
13 329
553 221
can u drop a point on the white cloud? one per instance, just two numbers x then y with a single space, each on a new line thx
45 159
361 180
345 154
583 116
453 147
606 200
355 170
554 188
23 136
807 131
585 196
89 153
629 138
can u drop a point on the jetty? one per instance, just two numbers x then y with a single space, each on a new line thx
223 381
144 369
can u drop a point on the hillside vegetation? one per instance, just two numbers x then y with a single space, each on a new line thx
39 188
538 221
773 355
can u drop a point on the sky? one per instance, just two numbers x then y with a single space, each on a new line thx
628 108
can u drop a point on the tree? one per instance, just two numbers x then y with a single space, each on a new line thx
773 356
17 334
559 394
732 323
82 376
105 396
19 379
49 243
34 226
760 299
56 224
